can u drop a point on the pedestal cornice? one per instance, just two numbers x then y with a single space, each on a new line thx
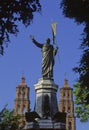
46 84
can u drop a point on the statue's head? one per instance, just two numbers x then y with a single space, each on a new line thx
48 40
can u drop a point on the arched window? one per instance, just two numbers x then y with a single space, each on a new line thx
18 111
68 95
63 94
68 110
24 95
19 95
24 110
70 127
63 109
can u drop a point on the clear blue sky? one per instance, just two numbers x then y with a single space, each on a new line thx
22 56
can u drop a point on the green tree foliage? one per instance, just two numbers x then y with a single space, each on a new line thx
8 121
12 12
78 10
82 109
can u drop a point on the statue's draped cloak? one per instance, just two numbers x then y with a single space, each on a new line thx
47 60
48 53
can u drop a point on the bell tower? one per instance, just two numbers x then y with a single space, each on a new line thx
66 104
22 102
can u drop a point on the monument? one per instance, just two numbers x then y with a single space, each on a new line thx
46 114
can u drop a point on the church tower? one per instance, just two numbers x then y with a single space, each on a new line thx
66 104
22 102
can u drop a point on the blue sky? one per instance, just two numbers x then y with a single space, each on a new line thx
22 56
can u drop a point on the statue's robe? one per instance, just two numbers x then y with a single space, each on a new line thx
48 53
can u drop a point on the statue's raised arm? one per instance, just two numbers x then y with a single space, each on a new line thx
35 42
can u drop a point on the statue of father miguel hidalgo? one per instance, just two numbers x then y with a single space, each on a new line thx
48 54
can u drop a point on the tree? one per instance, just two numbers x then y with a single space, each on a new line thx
12 12
8 121
82 109
78 10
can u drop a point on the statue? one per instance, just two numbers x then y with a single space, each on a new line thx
48 54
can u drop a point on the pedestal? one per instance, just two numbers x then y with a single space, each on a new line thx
46 100
45 115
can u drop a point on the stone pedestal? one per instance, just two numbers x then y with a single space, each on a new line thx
45 115
45 124
46 100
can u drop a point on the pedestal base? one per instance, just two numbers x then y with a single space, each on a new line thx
45 124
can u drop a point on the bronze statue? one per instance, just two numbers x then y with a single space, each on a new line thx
48 53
